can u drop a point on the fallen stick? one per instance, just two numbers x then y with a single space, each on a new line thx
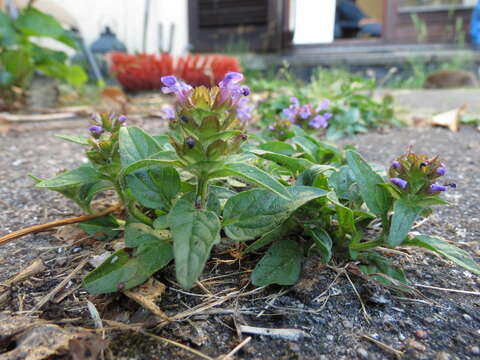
59 287
37 117
236 349
288 334
44 227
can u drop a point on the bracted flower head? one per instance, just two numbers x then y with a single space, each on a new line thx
181 90
402 184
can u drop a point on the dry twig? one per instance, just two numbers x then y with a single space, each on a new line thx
44 227
384 346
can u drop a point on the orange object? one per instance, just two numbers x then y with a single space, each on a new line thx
143 71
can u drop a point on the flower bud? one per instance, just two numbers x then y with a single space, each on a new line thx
121 119
190 141
440 171
96 131
434 188
396 165
402 184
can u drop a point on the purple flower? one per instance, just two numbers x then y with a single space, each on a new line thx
244 110
396 165
305 111
168 112
434 188
294 102
291 113
96 130
318 122
121 119
441 170
230 88
402 184
96 117
111 115
327 115
181 90
324 105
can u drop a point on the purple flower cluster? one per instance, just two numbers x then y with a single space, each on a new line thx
231 93
104 122
316 118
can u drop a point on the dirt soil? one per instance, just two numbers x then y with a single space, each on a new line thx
439 325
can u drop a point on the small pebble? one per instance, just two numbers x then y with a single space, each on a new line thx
362 353
421 334
414 344
347 323
443 356
475 350
467 317
429 319
329 337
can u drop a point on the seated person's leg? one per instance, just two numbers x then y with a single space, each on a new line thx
372 29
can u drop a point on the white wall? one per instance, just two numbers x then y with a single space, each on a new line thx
125 17
314 21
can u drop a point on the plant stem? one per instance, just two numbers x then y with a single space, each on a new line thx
367 245
132 209
202 191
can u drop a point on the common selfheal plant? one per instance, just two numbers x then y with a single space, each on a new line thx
297 198
306 116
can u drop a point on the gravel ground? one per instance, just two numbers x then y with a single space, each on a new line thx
447 327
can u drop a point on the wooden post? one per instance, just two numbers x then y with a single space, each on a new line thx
193 24
390 20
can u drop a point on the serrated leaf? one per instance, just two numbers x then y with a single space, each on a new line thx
280 265
254 175
124 270
442 247
323 243
377 198
194 233
253 213
135 145
404 215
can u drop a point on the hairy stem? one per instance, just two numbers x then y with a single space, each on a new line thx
202 192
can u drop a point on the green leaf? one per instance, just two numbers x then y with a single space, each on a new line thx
280 265
138 233
74 75
82 140
8 35
213 203
157 160
82 175
136 145
323 243
124 270
194 233
255 212
154 188
269 237
377 198
377 264
404 215
254 175
103 228
295 165
222 135
442 247
32 22
279 147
